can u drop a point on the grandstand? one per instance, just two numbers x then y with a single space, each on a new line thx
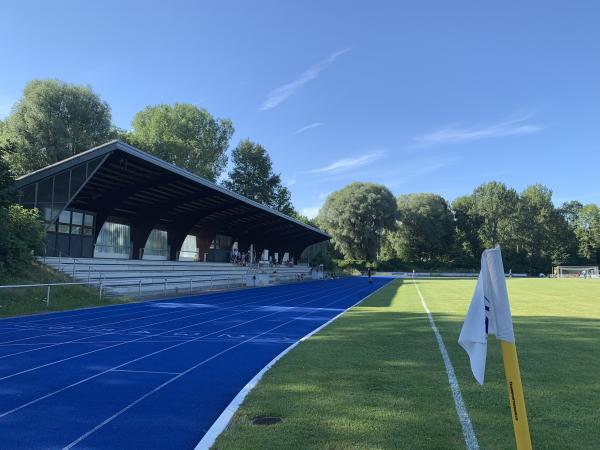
137 278
115 214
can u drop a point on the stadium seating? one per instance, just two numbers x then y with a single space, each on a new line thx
149 277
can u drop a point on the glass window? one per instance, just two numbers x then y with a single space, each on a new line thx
75 229
65 217
156 244
93 164
61 188
28 196
45 191
114 240
77 218
87 231
77 178
88 221
64 229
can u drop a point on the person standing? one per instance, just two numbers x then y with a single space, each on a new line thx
369 275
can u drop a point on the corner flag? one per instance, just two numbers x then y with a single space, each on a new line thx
489 313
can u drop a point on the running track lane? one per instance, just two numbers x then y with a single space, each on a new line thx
151 375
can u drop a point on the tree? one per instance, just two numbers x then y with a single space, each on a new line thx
356 217
588 233
570 211
468 245
495 206
21 230
425 227
544 234
52 121
184 135
252 176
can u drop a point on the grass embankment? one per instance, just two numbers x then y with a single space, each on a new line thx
25 301
375 379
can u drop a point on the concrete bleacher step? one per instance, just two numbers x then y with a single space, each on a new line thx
149 277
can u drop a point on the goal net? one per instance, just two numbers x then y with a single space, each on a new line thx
576 271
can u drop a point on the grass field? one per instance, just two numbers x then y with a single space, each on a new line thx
25 301
374 379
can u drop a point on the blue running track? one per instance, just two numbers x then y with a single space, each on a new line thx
151 375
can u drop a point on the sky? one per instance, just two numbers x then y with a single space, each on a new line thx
420 96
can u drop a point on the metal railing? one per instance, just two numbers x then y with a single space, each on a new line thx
104 286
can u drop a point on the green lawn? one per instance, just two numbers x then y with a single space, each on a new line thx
25 301
375 379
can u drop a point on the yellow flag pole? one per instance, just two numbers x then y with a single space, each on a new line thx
515 395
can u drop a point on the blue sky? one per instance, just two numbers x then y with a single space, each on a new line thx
422 96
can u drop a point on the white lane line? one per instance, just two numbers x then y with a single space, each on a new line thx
146 371
461 409
183 316
144 337
91 377
166 383
134 306
223 420
90 328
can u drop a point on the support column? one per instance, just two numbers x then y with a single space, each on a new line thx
175 240
203 240
140 232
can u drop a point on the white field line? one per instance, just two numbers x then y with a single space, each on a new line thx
223 420
166 383
461 409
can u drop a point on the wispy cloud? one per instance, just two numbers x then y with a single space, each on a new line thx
414 170
289 182
308 127
344 164
512 126
311 212
282 93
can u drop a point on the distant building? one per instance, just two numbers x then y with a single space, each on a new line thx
117 201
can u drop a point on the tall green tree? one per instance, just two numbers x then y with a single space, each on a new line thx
468 244
587 230
252 176
425 227
356 216
21 230
52 121
184 135
544 234
495 206
570 211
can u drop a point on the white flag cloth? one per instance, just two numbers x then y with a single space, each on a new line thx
489 312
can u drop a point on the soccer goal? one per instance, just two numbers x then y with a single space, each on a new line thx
576 271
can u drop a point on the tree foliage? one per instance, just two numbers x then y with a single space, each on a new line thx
52 121
21 230
587 230
425 227
184 135
21 234
252 176
356 216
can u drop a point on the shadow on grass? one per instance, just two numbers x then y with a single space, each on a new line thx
375 379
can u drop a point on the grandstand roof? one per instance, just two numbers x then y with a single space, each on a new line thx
123 181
